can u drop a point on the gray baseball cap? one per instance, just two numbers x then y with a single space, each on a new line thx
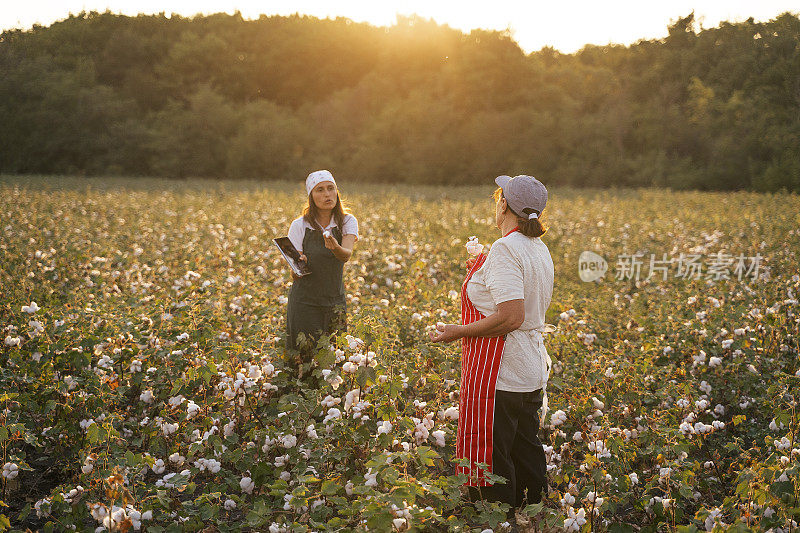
525 194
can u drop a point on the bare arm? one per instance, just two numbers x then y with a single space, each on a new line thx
509 316
341 251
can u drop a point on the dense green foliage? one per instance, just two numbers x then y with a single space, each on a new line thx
220 96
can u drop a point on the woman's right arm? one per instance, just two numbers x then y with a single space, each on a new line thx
296 234
509 316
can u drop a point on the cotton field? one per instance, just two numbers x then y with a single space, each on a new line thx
144 385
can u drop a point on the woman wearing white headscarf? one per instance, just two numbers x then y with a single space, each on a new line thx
325 235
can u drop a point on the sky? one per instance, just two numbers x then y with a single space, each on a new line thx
563 24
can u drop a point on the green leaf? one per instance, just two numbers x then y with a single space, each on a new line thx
533 509
427 455
779 488
739 527
325 357
329 487
93 433
494 478
390 476
176 387
255 519
366 376
208 511
24 513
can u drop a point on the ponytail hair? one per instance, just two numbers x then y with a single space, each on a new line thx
530 227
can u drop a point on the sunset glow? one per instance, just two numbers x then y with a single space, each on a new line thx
566 25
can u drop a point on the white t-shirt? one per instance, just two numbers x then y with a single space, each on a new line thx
518 267
297 231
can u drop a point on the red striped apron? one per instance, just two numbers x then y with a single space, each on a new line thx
480 364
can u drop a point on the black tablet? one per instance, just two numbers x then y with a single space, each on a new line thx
292 256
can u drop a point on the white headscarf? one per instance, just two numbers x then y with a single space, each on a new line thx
315 178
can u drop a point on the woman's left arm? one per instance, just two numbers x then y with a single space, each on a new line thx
341 251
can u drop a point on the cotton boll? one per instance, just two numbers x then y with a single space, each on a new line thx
146 397
31 308
558 418
158 467
288 441
247 485
474 248
400 524
699 358
333 414
192 410
12 341
10 470
451 413
575 520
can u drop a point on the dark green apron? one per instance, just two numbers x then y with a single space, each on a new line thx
317 300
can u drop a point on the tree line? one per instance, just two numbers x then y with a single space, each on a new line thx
223 97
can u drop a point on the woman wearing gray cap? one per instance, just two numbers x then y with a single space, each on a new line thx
324 235
504 363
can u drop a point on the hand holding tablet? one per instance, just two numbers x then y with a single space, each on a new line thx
296 260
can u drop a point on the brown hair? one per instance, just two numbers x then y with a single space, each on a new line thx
311 212
529 227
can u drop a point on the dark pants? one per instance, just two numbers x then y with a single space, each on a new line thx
517 452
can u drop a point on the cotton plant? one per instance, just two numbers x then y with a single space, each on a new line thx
188 332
